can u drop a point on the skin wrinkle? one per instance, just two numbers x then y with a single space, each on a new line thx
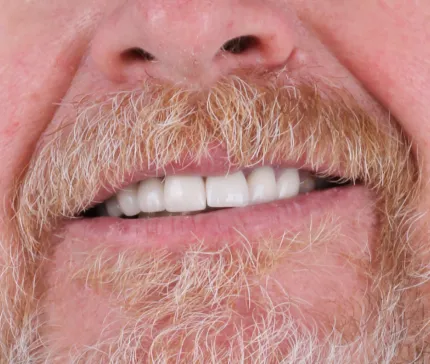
270 123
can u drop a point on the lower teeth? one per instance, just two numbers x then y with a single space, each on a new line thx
144 215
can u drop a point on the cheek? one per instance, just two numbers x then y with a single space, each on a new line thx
382 44
37 65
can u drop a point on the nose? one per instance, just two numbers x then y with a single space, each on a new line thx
190 40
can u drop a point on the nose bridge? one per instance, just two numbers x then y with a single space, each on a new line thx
178 39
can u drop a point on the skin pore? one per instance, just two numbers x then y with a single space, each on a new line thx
345 285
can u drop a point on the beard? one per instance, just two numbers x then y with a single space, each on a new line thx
216 304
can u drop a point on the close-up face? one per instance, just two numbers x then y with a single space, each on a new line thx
214 181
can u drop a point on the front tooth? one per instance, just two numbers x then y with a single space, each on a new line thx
127 199
288 183
262 185
227 191
112 207
184 194
150 195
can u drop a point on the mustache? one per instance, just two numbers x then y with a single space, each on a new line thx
106 138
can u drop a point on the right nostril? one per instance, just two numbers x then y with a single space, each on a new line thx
240 44
137 54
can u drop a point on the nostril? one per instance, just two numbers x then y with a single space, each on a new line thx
137 54
240 44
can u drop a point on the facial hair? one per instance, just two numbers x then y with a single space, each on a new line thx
254 121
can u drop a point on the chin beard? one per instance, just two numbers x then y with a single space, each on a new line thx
225 304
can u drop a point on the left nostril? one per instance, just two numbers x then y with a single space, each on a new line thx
240 44
137 54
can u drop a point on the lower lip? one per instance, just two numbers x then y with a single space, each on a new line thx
253 222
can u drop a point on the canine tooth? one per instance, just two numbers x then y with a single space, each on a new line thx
288 183
150 195
307 182
127 199
112 207
227 191
262 185
184 193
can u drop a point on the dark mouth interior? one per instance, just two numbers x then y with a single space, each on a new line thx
320 184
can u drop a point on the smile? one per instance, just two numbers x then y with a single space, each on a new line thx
192 194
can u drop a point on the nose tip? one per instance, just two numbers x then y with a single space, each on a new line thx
190 42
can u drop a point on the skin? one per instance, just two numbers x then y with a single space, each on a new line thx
55 51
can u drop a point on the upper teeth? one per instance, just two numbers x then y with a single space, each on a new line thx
195 193
227 191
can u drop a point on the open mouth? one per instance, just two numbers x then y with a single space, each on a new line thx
191 194
212 204
216 201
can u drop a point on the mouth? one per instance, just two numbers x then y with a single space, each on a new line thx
192 194
211 203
